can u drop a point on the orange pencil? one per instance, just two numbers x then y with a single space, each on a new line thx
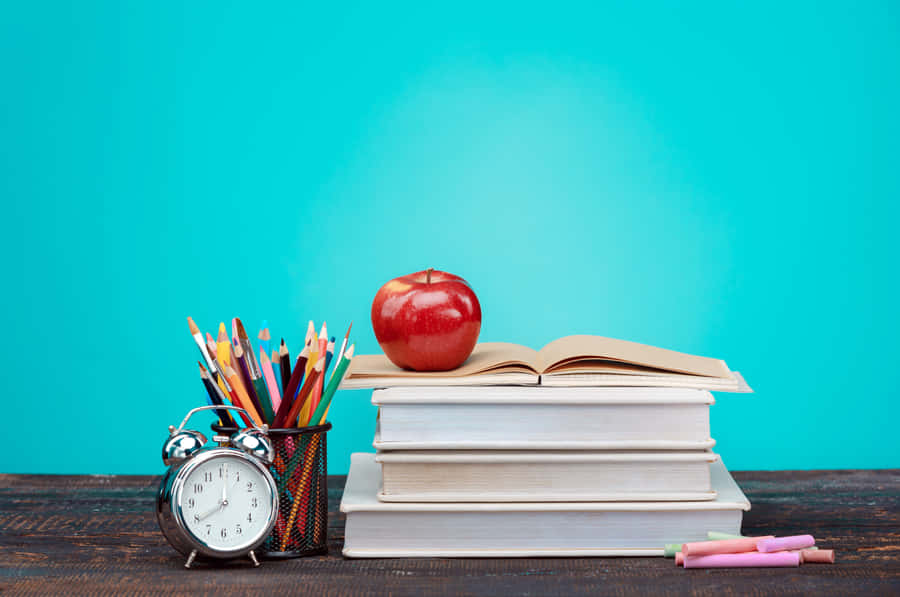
242 395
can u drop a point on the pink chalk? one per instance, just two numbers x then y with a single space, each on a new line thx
785 543
821 556
751 559
679 558
707 548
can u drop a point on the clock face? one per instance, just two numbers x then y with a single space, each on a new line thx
226 502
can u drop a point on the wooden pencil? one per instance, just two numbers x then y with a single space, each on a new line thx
318 417
223 346
340 353
271 385
264 338
276 369
198 339
322 339
215 395
242 396
302 396
287 398
211 346
284 358
243 370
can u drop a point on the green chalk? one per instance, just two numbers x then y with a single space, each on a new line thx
671 549
717 536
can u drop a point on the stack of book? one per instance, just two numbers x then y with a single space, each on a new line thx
590 446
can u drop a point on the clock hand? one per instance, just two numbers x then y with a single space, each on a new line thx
210 512
224 486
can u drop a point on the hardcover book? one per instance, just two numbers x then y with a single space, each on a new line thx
376 529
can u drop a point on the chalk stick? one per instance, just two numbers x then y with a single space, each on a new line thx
671 549
782 559
706 548
679 559
818 556
785 543
717 536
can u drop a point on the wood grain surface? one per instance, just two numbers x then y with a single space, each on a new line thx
97 535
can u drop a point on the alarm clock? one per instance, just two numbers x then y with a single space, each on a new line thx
219 502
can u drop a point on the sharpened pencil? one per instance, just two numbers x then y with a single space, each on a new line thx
290 392
276 369
284 358
340 353
223 346
198 338
318 417
215 396
291 420
274 395
264 337
242 396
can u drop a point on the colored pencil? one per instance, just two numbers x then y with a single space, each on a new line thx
313 344
215 397
329 355
264 337
318 417
322 340
287 398
243 370
271 384
211 346
242 395
303 396
198 338
284 357
276 368
344 344
223 346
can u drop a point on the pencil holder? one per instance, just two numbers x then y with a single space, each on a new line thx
300 469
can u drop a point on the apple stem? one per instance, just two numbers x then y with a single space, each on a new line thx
428 275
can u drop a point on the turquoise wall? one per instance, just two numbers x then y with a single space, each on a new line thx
721 179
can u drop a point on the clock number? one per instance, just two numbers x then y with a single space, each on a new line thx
196 518
198 488
249 517
249 486
208 528
224 533
254 502
208 476
238 529
191 502
237 476
221 472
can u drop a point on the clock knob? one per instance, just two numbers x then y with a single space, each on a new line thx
254 442
181 446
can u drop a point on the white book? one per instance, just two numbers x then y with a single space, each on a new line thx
544 476
542 418
376 529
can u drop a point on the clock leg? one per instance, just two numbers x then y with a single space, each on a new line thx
190 559
253 557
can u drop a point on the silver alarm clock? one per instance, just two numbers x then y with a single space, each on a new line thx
217 502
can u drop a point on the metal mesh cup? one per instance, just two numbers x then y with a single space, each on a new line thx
300 470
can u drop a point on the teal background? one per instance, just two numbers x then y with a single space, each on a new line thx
719 179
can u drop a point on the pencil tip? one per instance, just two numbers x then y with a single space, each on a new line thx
193 326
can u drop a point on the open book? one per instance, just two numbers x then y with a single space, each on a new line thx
568 361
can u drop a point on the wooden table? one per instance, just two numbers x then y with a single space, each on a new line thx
98 535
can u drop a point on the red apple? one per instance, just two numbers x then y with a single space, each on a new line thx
427 321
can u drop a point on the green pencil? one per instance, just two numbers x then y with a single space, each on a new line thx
333 384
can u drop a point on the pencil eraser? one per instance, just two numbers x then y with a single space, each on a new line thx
818 556
717 536
706 548
679 559
781 559
785 543
671 549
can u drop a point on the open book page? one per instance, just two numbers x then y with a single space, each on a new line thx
572 349
487 357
